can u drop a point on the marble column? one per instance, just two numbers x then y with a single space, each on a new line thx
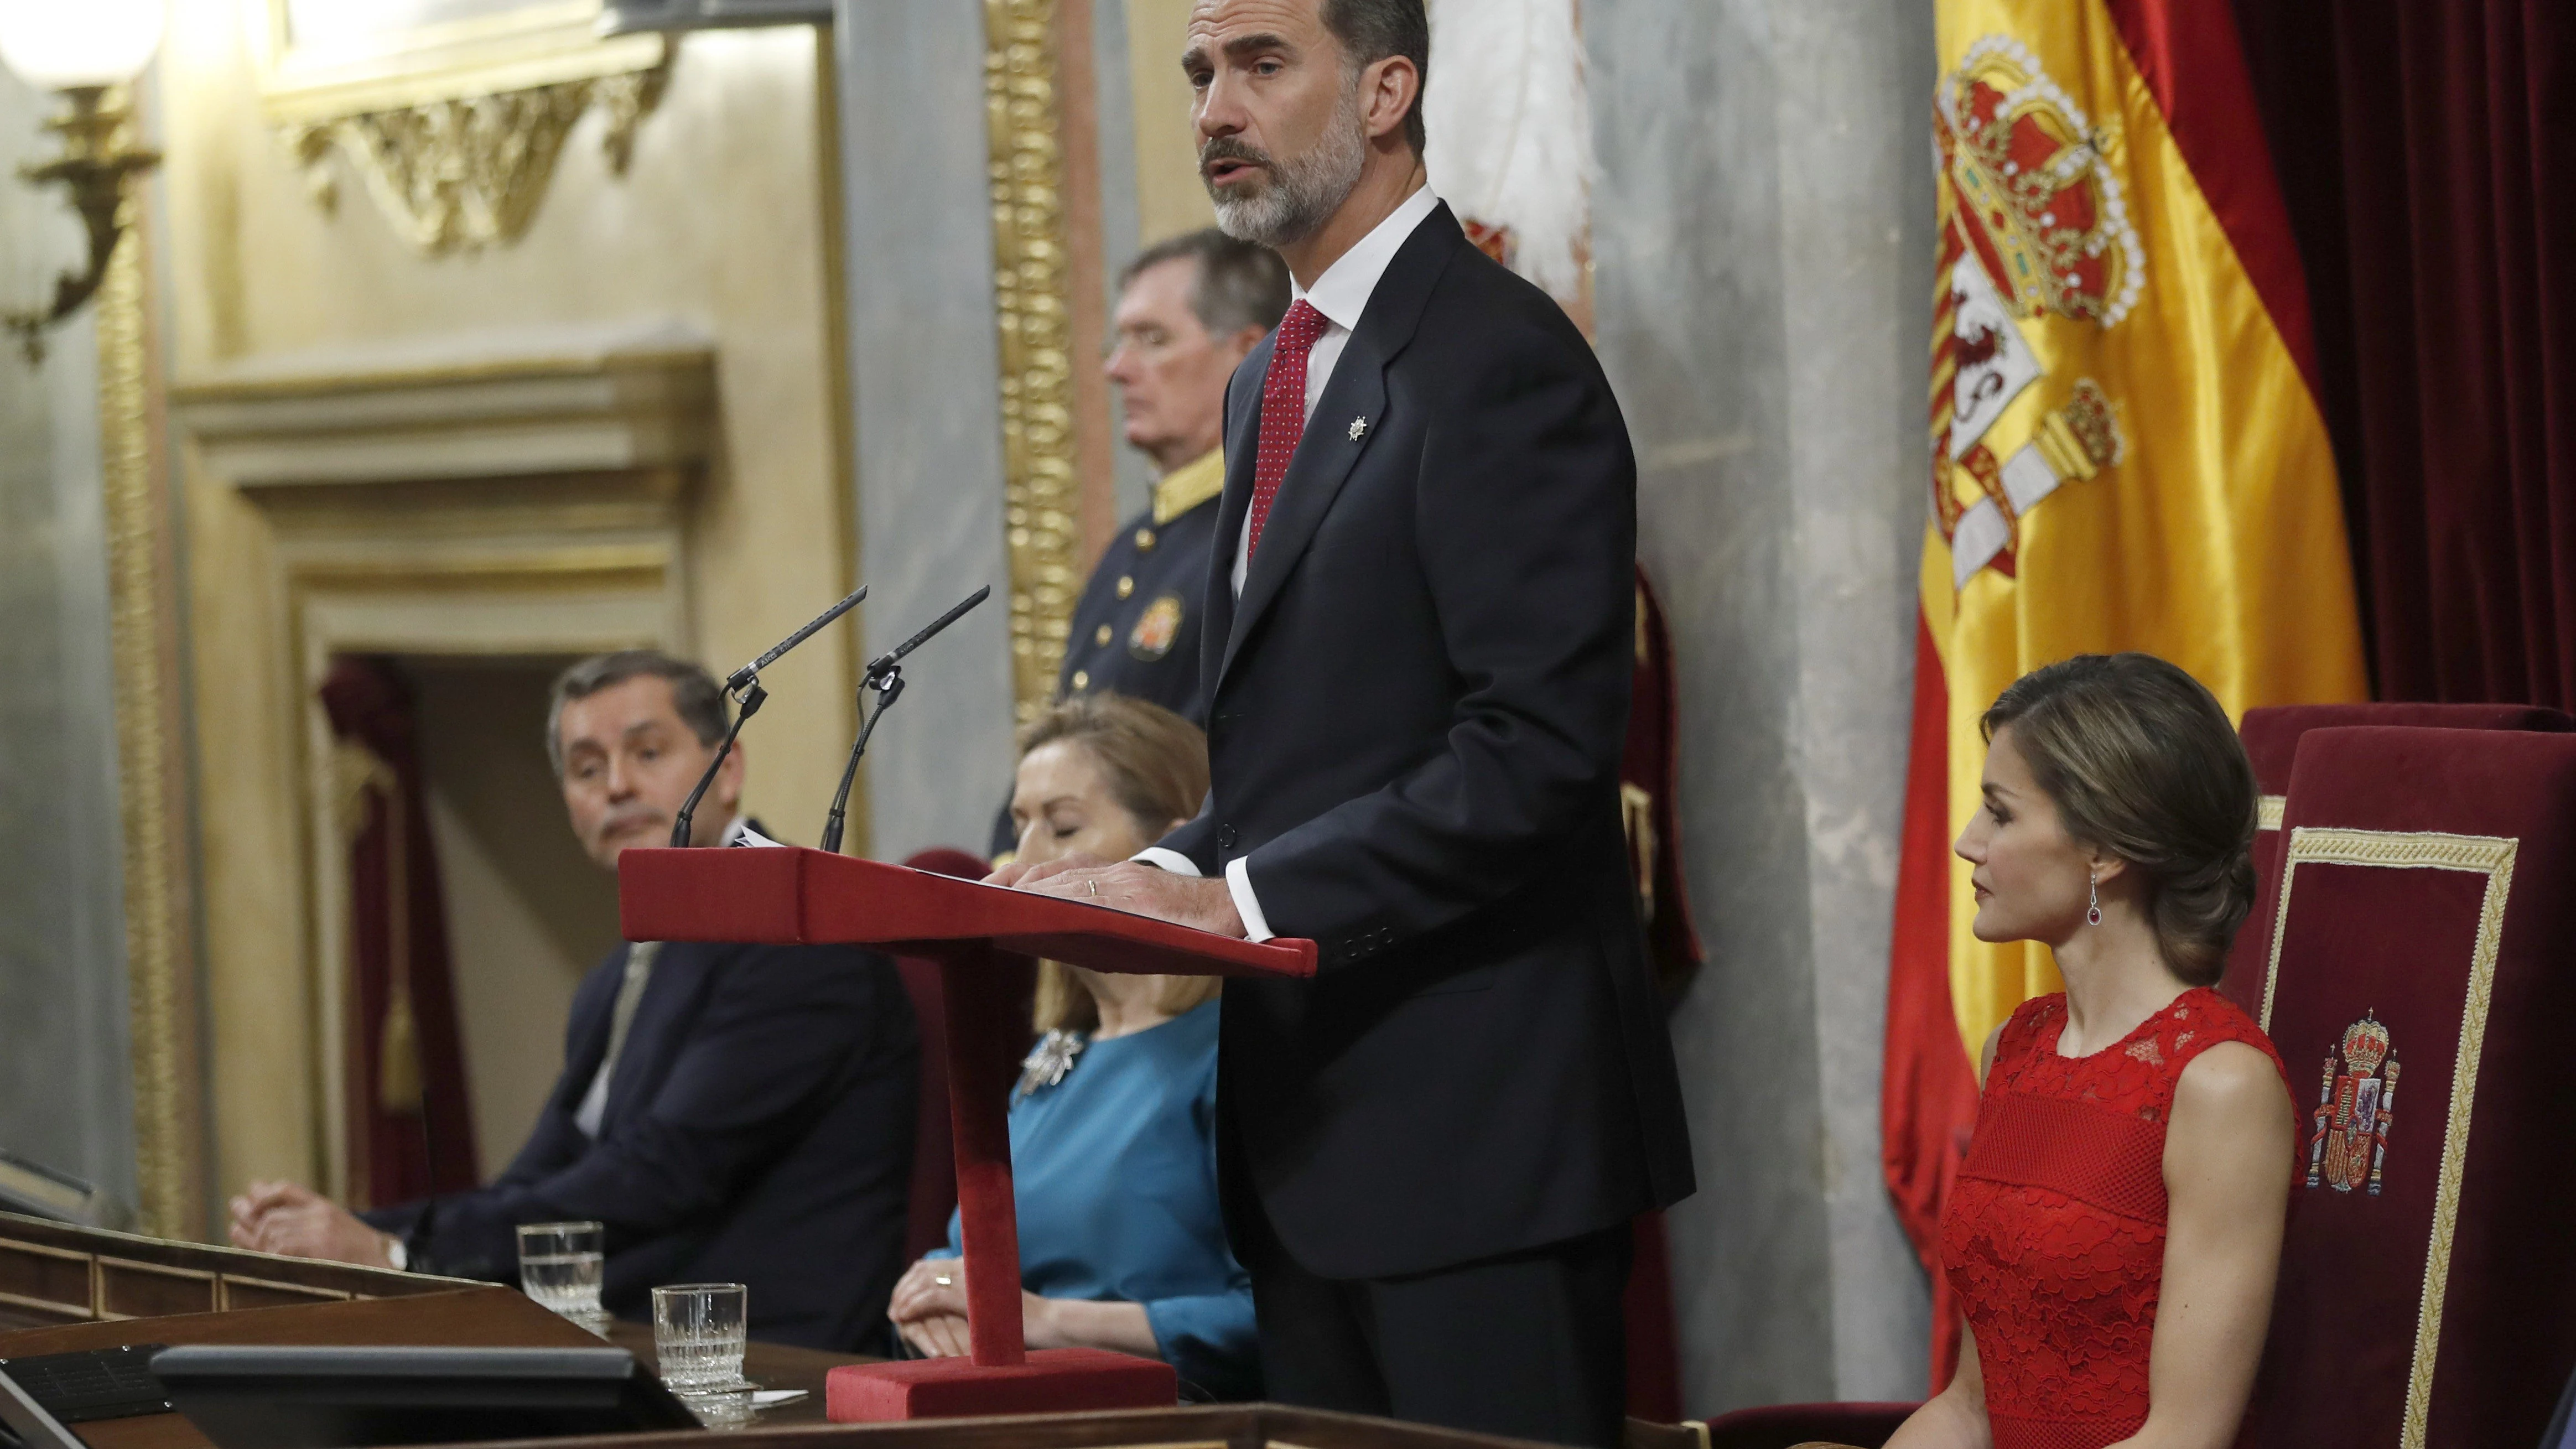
66 1100
924 373
924 378
1762 247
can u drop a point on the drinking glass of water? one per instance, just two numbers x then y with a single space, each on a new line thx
698 1335
560 1266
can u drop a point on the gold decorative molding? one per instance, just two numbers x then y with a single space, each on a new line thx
2491 856
159 941
1032 289
381 61
467 172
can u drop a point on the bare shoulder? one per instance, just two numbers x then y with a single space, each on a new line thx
1986 1056
2229 1075
2232 1087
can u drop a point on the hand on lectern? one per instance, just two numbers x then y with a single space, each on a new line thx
1199 902
293 1220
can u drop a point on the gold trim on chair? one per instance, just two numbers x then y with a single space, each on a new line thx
2268 811
1032 297
2488 855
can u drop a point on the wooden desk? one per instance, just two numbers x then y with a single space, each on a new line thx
1216 1426
501 1317
473 1318
771 1365
50 1273
54 1273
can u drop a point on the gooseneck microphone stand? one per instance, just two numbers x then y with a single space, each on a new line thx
744 685
885 676
681 824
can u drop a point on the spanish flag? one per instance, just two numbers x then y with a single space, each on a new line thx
2127 453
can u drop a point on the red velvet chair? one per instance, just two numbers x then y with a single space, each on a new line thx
2272 740
934 1158
2422 943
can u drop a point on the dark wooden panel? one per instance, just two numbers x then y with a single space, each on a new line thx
148 1290
36 1238
1234 1426
241 1292
14 1316
486 1316
41 1276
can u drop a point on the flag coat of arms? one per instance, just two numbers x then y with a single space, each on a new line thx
2126 453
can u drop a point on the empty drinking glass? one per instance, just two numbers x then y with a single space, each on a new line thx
698 1335
560 1266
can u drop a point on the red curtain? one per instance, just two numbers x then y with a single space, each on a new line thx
2427 152
410 1130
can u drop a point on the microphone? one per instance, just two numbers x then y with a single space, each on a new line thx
745 683
885 676
751 671
884 663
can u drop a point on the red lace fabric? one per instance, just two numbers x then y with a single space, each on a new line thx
2054 1236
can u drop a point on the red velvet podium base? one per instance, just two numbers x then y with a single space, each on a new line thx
1048 1381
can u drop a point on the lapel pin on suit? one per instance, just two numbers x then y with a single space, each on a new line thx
1359 429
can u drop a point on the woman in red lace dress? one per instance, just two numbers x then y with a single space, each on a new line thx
2115 1231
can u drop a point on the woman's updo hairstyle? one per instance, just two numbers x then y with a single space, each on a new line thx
2141 762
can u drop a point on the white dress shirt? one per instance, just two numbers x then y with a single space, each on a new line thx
1341 294
630 994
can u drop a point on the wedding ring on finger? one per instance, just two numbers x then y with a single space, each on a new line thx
944 1281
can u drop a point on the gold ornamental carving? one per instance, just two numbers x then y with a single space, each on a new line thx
1032 301
159 941
464 173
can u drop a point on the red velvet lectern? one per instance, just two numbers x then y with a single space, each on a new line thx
793 896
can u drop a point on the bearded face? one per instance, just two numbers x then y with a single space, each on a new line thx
1280 199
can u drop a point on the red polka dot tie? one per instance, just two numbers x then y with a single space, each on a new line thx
1283 411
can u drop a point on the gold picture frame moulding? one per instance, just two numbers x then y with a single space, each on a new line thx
455 126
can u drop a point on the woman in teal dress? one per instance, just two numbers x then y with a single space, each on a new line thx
1113 1151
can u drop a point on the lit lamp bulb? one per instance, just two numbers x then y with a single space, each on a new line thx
62 45
82 48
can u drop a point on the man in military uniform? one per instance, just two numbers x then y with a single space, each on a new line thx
1189 309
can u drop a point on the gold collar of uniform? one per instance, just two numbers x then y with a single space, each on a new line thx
1189 485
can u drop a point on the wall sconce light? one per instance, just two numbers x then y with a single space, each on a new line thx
85 49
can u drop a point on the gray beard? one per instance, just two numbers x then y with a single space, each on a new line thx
1304 193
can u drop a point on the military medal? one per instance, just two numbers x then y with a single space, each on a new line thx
1156 629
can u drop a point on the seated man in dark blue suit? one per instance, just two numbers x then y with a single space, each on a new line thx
731 1113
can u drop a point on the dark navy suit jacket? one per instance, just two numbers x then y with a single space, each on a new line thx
1416 714
758 1130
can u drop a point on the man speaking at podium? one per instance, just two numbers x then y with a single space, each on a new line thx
1419 637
